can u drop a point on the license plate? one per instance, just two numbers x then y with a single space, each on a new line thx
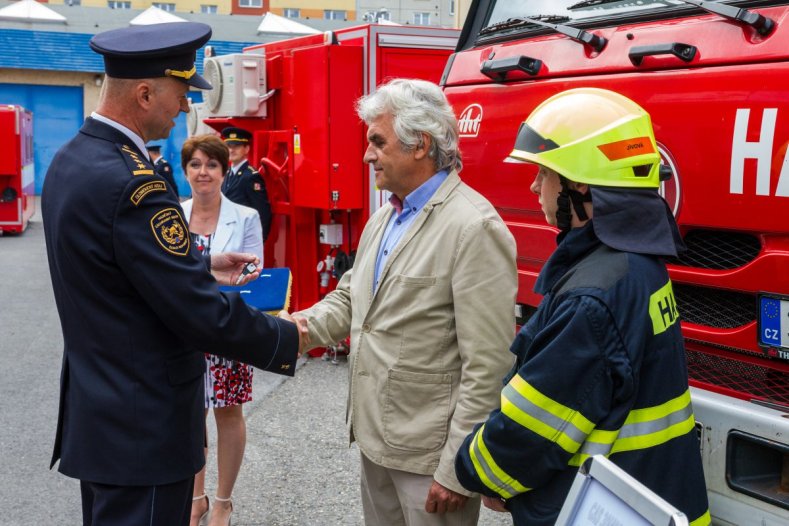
774 321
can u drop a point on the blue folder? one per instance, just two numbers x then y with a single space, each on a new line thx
269 293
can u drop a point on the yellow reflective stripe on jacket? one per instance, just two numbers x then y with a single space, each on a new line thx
553 421
704 520
643 428
489 472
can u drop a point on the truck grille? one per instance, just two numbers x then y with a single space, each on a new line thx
716 250
722 309
754 380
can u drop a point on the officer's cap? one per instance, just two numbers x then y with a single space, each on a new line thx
156 50
153 147
236 136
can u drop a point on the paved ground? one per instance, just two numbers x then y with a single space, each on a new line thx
298 468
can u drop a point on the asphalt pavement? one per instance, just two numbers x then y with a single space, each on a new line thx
298 468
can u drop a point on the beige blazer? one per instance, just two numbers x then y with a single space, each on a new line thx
430 347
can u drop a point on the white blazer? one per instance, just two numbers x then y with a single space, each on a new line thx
237 230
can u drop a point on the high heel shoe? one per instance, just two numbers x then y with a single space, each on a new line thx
204 516
230 500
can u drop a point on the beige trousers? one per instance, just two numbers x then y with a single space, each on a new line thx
391 497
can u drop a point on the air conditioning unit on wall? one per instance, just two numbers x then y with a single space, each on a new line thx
239 81
194 120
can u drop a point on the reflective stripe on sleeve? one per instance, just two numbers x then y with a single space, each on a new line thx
704 520
643 428
553 421
489 472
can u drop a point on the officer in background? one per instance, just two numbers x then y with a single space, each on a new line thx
160 166
243 184
601 364
138 307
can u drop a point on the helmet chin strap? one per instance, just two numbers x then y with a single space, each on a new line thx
566 198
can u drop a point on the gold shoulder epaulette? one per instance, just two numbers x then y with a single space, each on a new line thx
137 165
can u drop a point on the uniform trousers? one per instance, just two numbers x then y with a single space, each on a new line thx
163 505
397 498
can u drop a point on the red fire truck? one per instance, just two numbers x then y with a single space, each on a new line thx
714 77
17 201
297 98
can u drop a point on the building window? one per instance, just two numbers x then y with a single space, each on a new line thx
451 7
333 14
74 2
170 8
422 19
250 3
208 9
118 4
291 12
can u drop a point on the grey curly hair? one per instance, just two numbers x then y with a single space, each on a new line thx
417 107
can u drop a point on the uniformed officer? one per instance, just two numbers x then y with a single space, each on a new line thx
161 166
243 184
600 365
137 306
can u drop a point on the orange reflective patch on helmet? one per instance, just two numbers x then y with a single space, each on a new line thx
627 148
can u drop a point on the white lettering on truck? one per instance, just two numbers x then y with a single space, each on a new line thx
761 150
469 120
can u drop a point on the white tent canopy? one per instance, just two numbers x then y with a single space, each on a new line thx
30 11
154 15
272 23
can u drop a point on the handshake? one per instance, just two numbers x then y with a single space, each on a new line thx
301 325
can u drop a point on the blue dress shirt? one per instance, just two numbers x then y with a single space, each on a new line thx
402 216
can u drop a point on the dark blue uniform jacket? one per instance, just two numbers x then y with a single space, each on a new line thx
247 188
137 309
600 370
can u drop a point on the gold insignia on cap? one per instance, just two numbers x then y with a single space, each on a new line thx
147 188
183 74
170 231
285 366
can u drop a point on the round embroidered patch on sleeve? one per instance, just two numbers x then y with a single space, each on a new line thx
170 231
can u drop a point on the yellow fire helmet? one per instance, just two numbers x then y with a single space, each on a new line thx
592 136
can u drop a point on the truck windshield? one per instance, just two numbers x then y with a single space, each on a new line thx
572 9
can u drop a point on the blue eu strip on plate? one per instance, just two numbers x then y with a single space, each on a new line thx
773 321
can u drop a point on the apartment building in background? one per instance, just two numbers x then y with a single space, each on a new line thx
441 13
209 7
315 9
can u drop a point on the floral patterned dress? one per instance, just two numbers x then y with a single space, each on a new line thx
227 382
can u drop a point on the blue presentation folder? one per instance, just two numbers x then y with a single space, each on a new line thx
269 293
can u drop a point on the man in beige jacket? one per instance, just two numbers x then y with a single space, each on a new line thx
429 305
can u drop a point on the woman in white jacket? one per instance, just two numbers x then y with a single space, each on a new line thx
217 224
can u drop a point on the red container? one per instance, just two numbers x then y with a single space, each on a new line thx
17 185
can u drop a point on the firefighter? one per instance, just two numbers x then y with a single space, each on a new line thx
160 166
600 367
243 184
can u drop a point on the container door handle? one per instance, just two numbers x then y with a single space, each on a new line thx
684 52
498 69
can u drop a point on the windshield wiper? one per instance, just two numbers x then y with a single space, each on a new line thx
512 23
596 42
590 3
763 25
579 35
